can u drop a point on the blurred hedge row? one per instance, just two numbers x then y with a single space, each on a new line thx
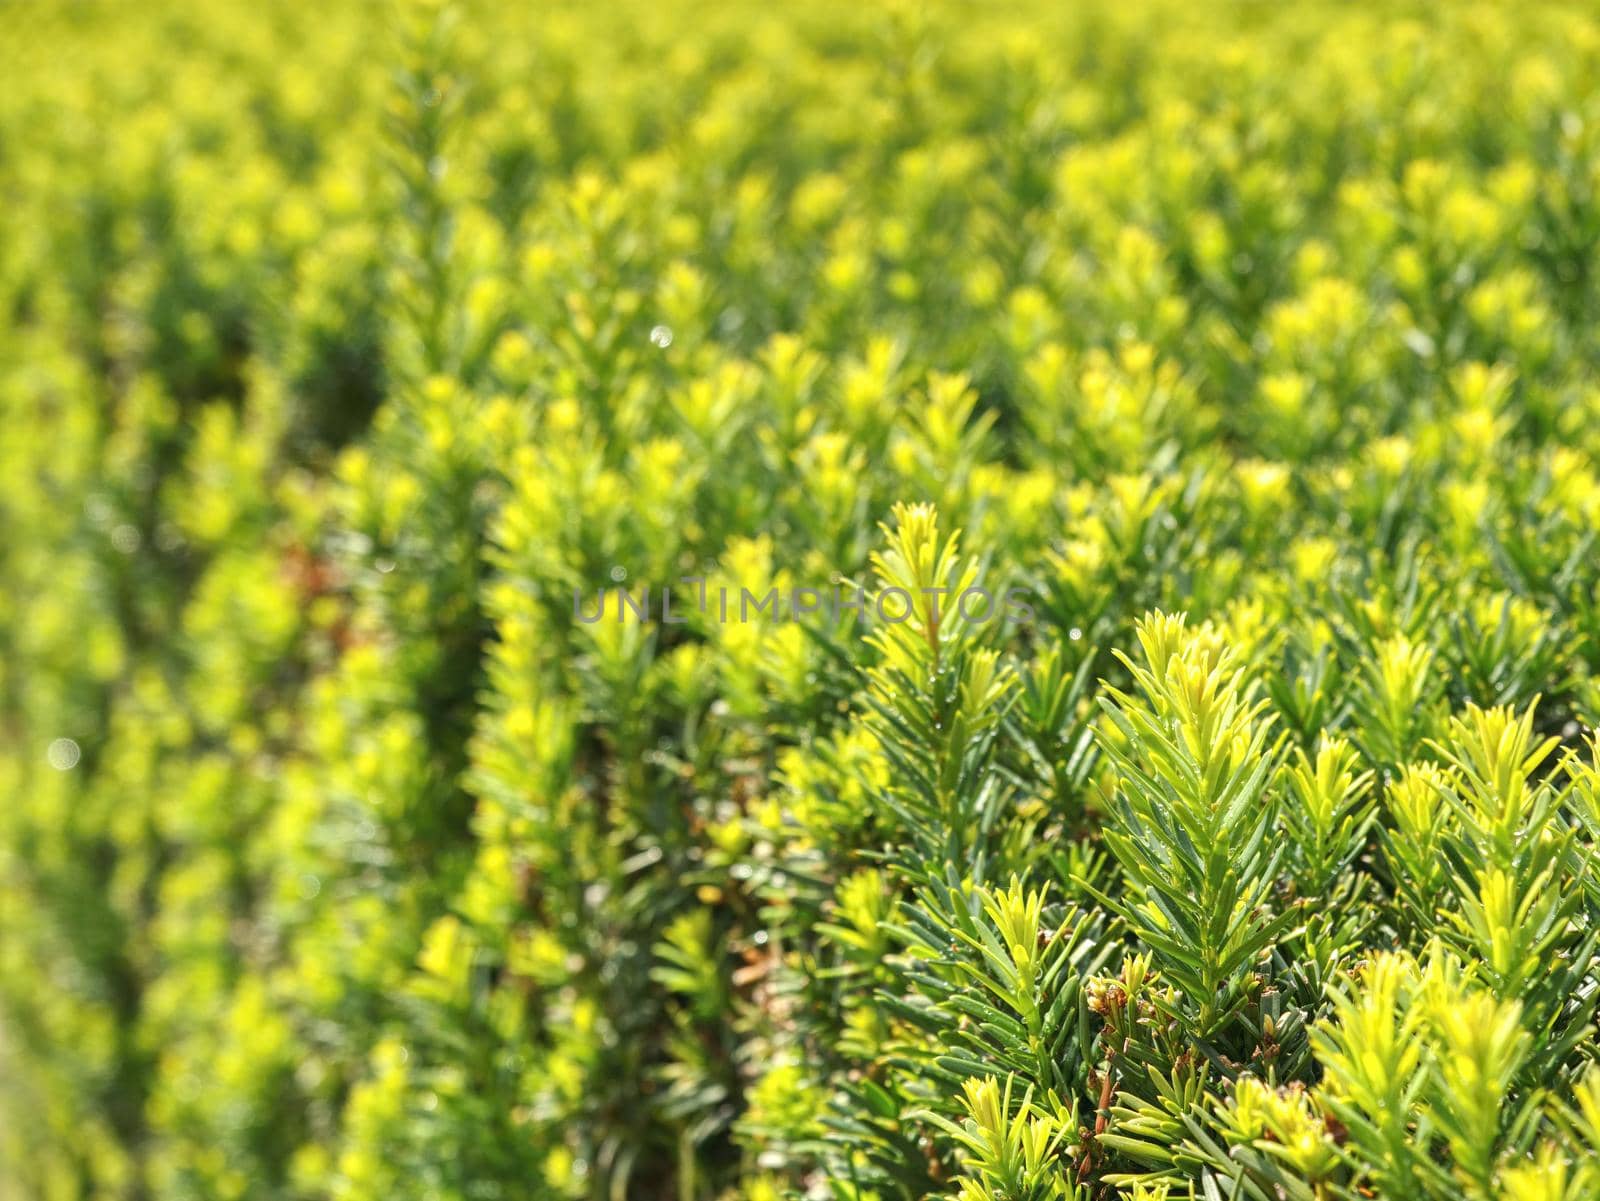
342 344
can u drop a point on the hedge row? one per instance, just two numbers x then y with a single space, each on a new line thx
1242 847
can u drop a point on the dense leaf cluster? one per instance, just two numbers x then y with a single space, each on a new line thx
1245 848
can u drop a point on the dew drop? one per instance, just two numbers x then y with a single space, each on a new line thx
63 754
125 538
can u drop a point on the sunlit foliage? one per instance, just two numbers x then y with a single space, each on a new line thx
1244 846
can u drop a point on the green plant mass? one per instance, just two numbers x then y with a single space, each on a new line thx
846 601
